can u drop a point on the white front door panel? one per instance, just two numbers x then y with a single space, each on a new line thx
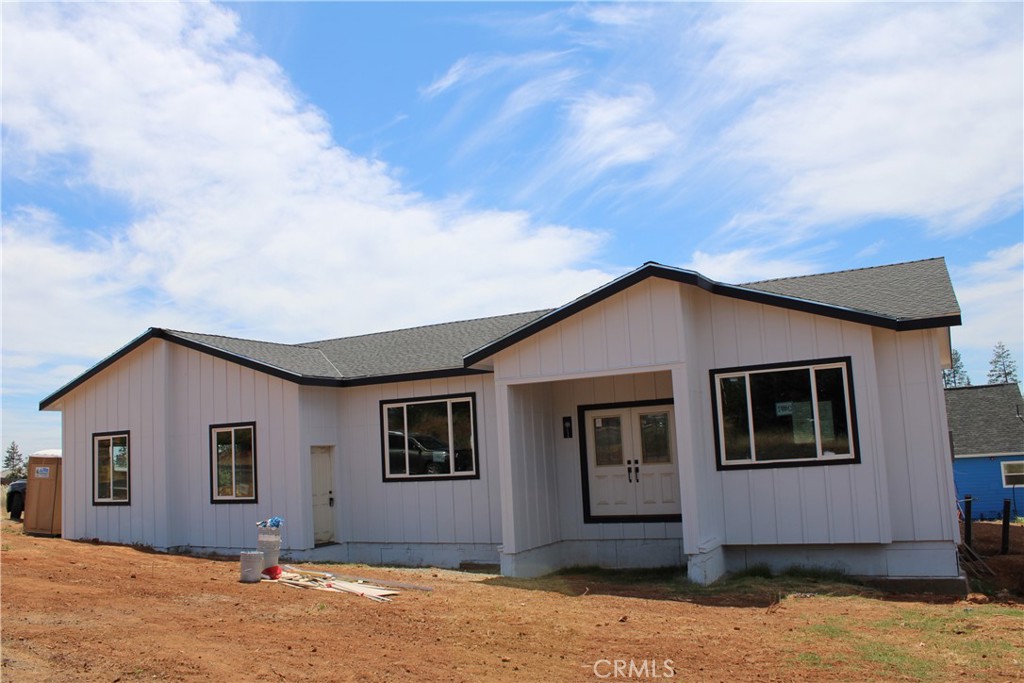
631 461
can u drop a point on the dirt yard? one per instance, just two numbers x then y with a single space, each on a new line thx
74 611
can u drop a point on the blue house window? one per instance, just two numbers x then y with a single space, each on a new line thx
1013 473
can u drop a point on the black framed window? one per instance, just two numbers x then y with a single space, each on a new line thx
785 414
111 469
429 438
233 463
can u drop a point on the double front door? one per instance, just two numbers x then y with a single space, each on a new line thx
631 461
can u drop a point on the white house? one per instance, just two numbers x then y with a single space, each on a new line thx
662 419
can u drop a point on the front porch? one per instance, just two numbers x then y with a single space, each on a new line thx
597 471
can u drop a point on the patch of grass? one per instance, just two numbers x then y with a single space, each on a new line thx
896 660
830 629
810 659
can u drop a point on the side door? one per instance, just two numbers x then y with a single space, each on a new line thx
322 468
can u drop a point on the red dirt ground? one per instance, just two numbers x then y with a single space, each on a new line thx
75 611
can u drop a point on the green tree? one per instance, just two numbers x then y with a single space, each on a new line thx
14 461
1002 369
956 376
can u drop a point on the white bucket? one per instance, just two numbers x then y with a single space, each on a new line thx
252 565
269 542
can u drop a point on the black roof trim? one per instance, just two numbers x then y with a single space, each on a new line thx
689 277
99 367
304 380
159 333
408 377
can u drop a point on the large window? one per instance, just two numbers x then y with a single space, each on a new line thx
785 414
1013 473
233 462
430 438
110 469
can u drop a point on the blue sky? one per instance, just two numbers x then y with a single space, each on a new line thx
297 171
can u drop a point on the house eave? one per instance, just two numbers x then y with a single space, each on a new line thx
54 400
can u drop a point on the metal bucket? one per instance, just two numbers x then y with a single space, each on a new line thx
252 565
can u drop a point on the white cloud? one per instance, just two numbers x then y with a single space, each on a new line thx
860 111
472 68
991 296
246 217
800 115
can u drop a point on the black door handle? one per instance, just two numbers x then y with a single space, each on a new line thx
330 501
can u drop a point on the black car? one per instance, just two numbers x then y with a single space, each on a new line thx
427 455
16 498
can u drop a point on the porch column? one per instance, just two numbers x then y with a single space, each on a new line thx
699 487
505 478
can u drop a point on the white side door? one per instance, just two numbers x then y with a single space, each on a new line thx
322 467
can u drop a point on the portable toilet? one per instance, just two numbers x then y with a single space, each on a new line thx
43 495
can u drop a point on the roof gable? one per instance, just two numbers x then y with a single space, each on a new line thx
904 296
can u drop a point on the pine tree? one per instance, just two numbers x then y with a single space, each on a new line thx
956 376
1002 369
14 462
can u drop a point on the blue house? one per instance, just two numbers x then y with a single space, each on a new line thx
987 430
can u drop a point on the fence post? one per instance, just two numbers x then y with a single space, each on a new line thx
967 521
1005 549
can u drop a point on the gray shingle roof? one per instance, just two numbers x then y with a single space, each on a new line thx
983 419
297 359
419 349
911 295
905 291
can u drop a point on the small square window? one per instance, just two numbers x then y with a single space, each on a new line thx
1013 473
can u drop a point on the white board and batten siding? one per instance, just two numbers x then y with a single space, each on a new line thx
919 464
402 513
166 397
209 391
131 396
792 505
636 328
